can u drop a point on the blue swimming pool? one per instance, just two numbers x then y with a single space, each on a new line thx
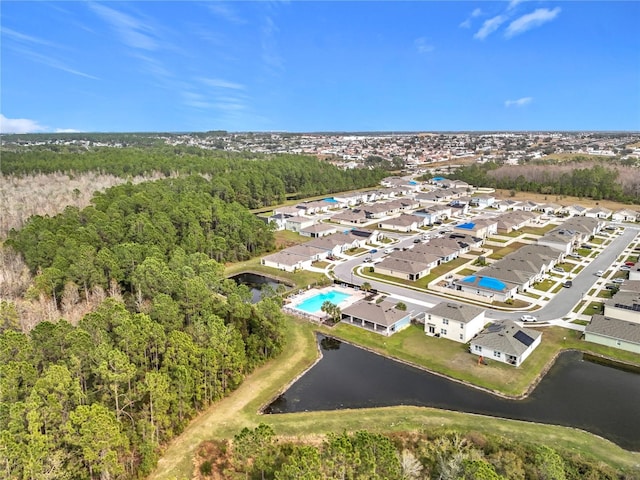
330 200
466 226
313 304
486 282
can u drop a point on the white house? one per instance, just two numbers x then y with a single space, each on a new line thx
506 342
625 216
454 321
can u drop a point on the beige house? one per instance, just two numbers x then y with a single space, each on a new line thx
454 321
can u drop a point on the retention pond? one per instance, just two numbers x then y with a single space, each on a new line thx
576 393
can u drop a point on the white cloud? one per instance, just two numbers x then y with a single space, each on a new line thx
19 125
132 32
489 26
521 102
423 45
531 20
67 130
514 3
467 23
220 83
226 12
23 38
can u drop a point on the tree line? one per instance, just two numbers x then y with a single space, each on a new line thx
253 180
443 455
597 181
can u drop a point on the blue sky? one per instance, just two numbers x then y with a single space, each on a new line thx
304 66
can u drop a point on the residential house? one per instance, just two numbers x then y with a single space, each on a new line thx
298 223
505 205
483 201
625 216
598 212
383 317
402 223
350 217
434 213
614 332
486 286
478 227
623 306
287 261
514 220
319 230
401 268
454 321
574 210
506 342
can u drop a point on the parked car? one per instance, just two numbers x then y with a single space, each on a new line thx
557 270
389 250
588 247
630 264
599 273
625 268
416 240
567 284
612 287
619 281
528 318
574 255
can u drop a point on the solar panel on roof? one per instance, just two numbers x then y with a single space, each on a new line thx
523 338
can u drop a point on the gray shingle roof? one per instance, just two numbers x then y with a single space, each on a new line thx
507 338
458 312
614 328
383 313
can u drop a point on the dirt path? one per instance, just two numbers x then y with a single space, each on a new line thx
231 414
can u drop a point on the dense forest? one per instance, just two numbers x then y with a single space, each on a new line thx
169 333
251 179
439 455
599 181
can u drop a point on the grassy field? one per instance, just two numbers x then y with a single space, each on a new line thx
241 408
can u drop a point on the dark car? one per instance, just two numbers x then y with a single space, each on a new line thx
416 240
612 287
567 284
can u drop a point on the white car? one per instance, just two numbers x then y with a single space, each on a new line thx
625 268
599 273
528 318
618 280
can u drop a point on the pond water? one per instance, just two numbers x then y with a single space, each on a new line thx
256 283
577 393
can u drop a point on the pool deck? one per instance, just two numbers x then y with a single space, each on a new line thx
294 300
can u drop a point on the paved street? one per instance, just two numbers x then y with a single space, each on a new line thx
560 305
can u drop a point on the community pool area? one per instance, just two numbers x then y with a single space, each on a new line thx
314 304
330 200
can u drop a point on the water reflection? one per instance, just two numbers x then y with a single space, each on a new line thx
576 393
258 284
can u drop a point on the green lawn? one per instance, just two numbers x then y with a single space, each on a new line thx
544 285
504 251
